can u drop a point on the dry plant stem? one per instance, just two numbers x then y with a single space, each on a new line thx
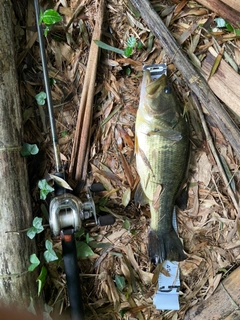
82 135
228 12
196 82
214 153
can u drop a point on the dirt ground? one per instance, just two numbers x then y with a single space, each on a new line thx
118 253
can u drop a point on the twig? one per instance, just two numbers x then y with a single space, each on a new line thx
82 136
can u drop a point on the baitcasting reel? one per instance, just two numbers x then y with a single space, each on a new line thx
67 211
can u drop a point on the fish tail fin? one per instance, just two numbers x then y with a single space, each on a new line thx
165 246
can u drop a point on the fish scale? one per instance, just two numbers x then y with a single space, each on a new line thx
162 147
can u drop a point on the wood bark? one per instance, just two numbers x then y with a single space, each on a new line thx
227 10
193 78
79 157
223 304
17 285
235 4
224 82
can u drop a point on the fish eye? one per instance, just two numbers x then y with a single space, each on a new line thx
167 90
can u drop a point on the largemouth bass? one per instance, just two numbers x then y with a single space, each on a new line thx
162 152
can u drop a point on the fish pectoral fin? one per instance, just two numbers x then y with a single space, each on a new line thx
140 196
169 133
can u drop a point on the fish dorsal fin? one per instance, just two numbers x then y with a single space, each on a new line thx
139 196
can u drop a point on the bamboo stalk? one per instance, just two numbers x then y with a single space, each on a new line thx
196 81
226 10
82 136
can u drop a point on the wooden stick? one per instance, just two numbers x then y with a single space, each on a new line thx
224 82
195 81
82 136
223 10
223 304
235 4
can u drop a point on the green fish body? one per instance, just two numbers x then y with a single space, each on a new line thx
162 152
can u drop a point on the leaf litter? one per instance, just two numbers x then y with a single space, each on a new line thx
118 280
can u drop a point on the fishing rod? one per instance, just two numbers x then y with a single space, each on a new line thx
66 211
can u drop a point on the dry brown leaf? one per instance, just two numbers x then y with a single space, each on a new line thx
156 197
204 169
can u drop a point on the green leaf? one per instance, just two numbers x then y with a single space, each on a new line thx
126 224
42 279
103 245
34 262
37 223
47 29
29 149
105 46
117 254
83 250
128 71
40 98
237 31
49 254
46 314
120 282
44 211
131 42
51 17
79 233
128 52
31 233
52 81
229 27
36 228
228 173
87 238
31 307
45 189
139 45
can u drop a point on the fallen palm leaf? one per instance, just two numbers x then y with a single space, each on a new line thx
111 115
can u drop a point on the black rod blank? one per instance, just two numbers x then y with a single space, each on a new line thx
48 90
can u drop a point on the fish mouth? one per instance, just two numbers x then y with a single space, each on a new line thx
154 87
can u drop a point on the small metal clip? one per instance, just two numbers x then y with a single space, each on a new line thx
156 70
